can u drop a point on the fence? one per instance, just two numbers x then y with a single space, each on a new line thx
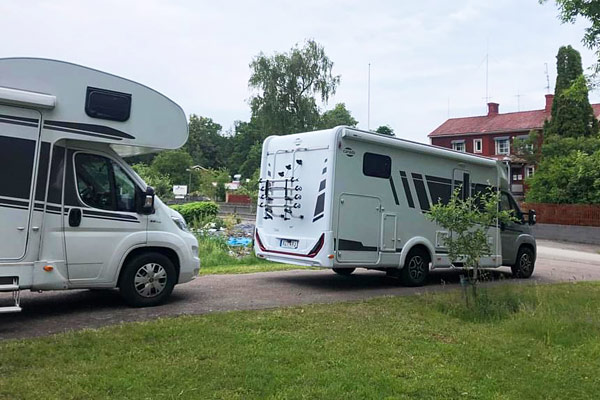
565 214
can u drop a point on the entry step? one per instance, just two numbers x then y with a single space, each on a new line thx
10 309
9 287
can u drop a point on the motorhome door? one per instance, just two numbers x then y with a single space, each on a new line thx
106 216
358 232
19 139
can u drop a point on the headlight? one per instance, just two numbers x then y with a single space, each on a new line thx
180 222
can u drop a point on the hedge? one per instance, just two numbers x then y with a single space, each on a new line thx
197 211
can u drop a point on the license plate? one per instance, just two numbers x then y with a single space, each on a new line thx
288 243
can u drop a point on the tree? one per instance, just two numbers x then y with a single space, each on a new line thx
572 114
174 164
468 222
590 9
287 84
339 115
205 144
568 179
385 130
163 187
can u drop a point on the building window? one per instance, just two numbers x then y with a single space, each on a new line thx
502 146
529 171
529 147
458 145
377 165
477 146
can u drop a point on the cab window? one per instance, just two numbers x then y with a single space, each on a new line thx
507 203
102 184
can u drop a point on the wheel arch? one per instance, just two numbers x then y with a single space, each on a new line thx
416 243
167 252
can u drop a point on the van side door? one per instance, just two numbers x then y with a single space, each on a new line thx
510 231
101 223
19 146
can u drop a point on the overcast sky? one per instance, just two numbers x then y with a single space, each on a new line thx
427 57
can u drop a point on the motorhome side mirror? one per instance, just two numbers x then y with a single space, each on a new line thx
531 217
147 201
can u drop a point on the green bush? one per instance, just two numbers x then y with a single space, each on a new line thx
197 212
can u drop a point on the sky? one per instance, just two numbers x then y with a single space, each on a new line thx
428 58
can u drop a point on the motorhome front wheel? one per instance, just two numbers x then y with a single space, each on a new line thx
148 280
416 268
525 263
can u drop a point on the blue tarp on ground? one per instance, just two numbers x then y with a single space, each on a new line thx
239 241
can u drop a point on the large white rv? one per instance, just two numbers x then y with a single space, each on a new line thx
344 198
73 214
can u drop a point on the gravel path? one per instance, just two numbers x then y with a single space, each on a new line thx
55 312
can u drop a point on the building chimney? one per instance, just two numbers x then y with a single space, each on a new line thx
493 108
549 101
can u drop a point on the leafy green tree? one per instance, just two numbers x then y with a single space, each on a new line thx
246 135
205 144
527 148
286 86
174 164
468 221
385 130
252 162
572 114
162 184
569 10
339 115
569 179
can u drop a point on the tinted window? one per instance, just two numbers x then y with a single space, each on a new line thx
102 183
377 165
16 168
107 104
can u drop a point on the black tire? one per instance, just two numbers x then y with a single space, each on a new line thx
344 271
416 268
150 290
525 263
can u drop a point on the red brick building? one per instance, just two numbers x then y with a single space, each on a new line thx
492 135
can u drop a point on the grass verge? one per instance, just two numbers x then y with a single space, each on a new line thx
421 347
217 257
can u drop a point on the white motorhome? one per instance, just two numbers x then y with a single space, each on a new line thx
73 214
344 198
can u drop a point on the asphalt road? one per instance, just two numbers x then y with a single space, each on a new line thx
55 312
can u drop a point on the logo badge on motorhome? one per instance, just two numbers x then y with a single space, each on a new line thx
349 152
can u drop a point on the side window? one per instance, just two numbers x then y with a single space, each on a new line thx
125 190
94 181
507 203
101 183
377 165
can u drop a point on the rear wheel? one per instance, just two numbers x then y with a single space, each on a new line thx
147 280
344 271
525 263
416 268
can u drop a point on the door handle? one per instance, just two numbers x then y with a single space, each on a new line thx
74 217
35 228
20 228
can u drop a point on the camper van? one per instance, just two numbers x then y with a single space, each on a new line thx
73 214
344 198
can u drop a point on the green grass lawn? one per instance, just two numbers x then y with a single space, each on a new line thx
219 258
525 342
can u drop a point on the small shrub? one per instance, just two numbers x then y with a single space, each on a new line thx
198 213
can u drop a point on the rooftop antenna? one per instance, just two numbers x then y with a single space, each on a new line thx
518 96
448 107
487 63
369 100
547 79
